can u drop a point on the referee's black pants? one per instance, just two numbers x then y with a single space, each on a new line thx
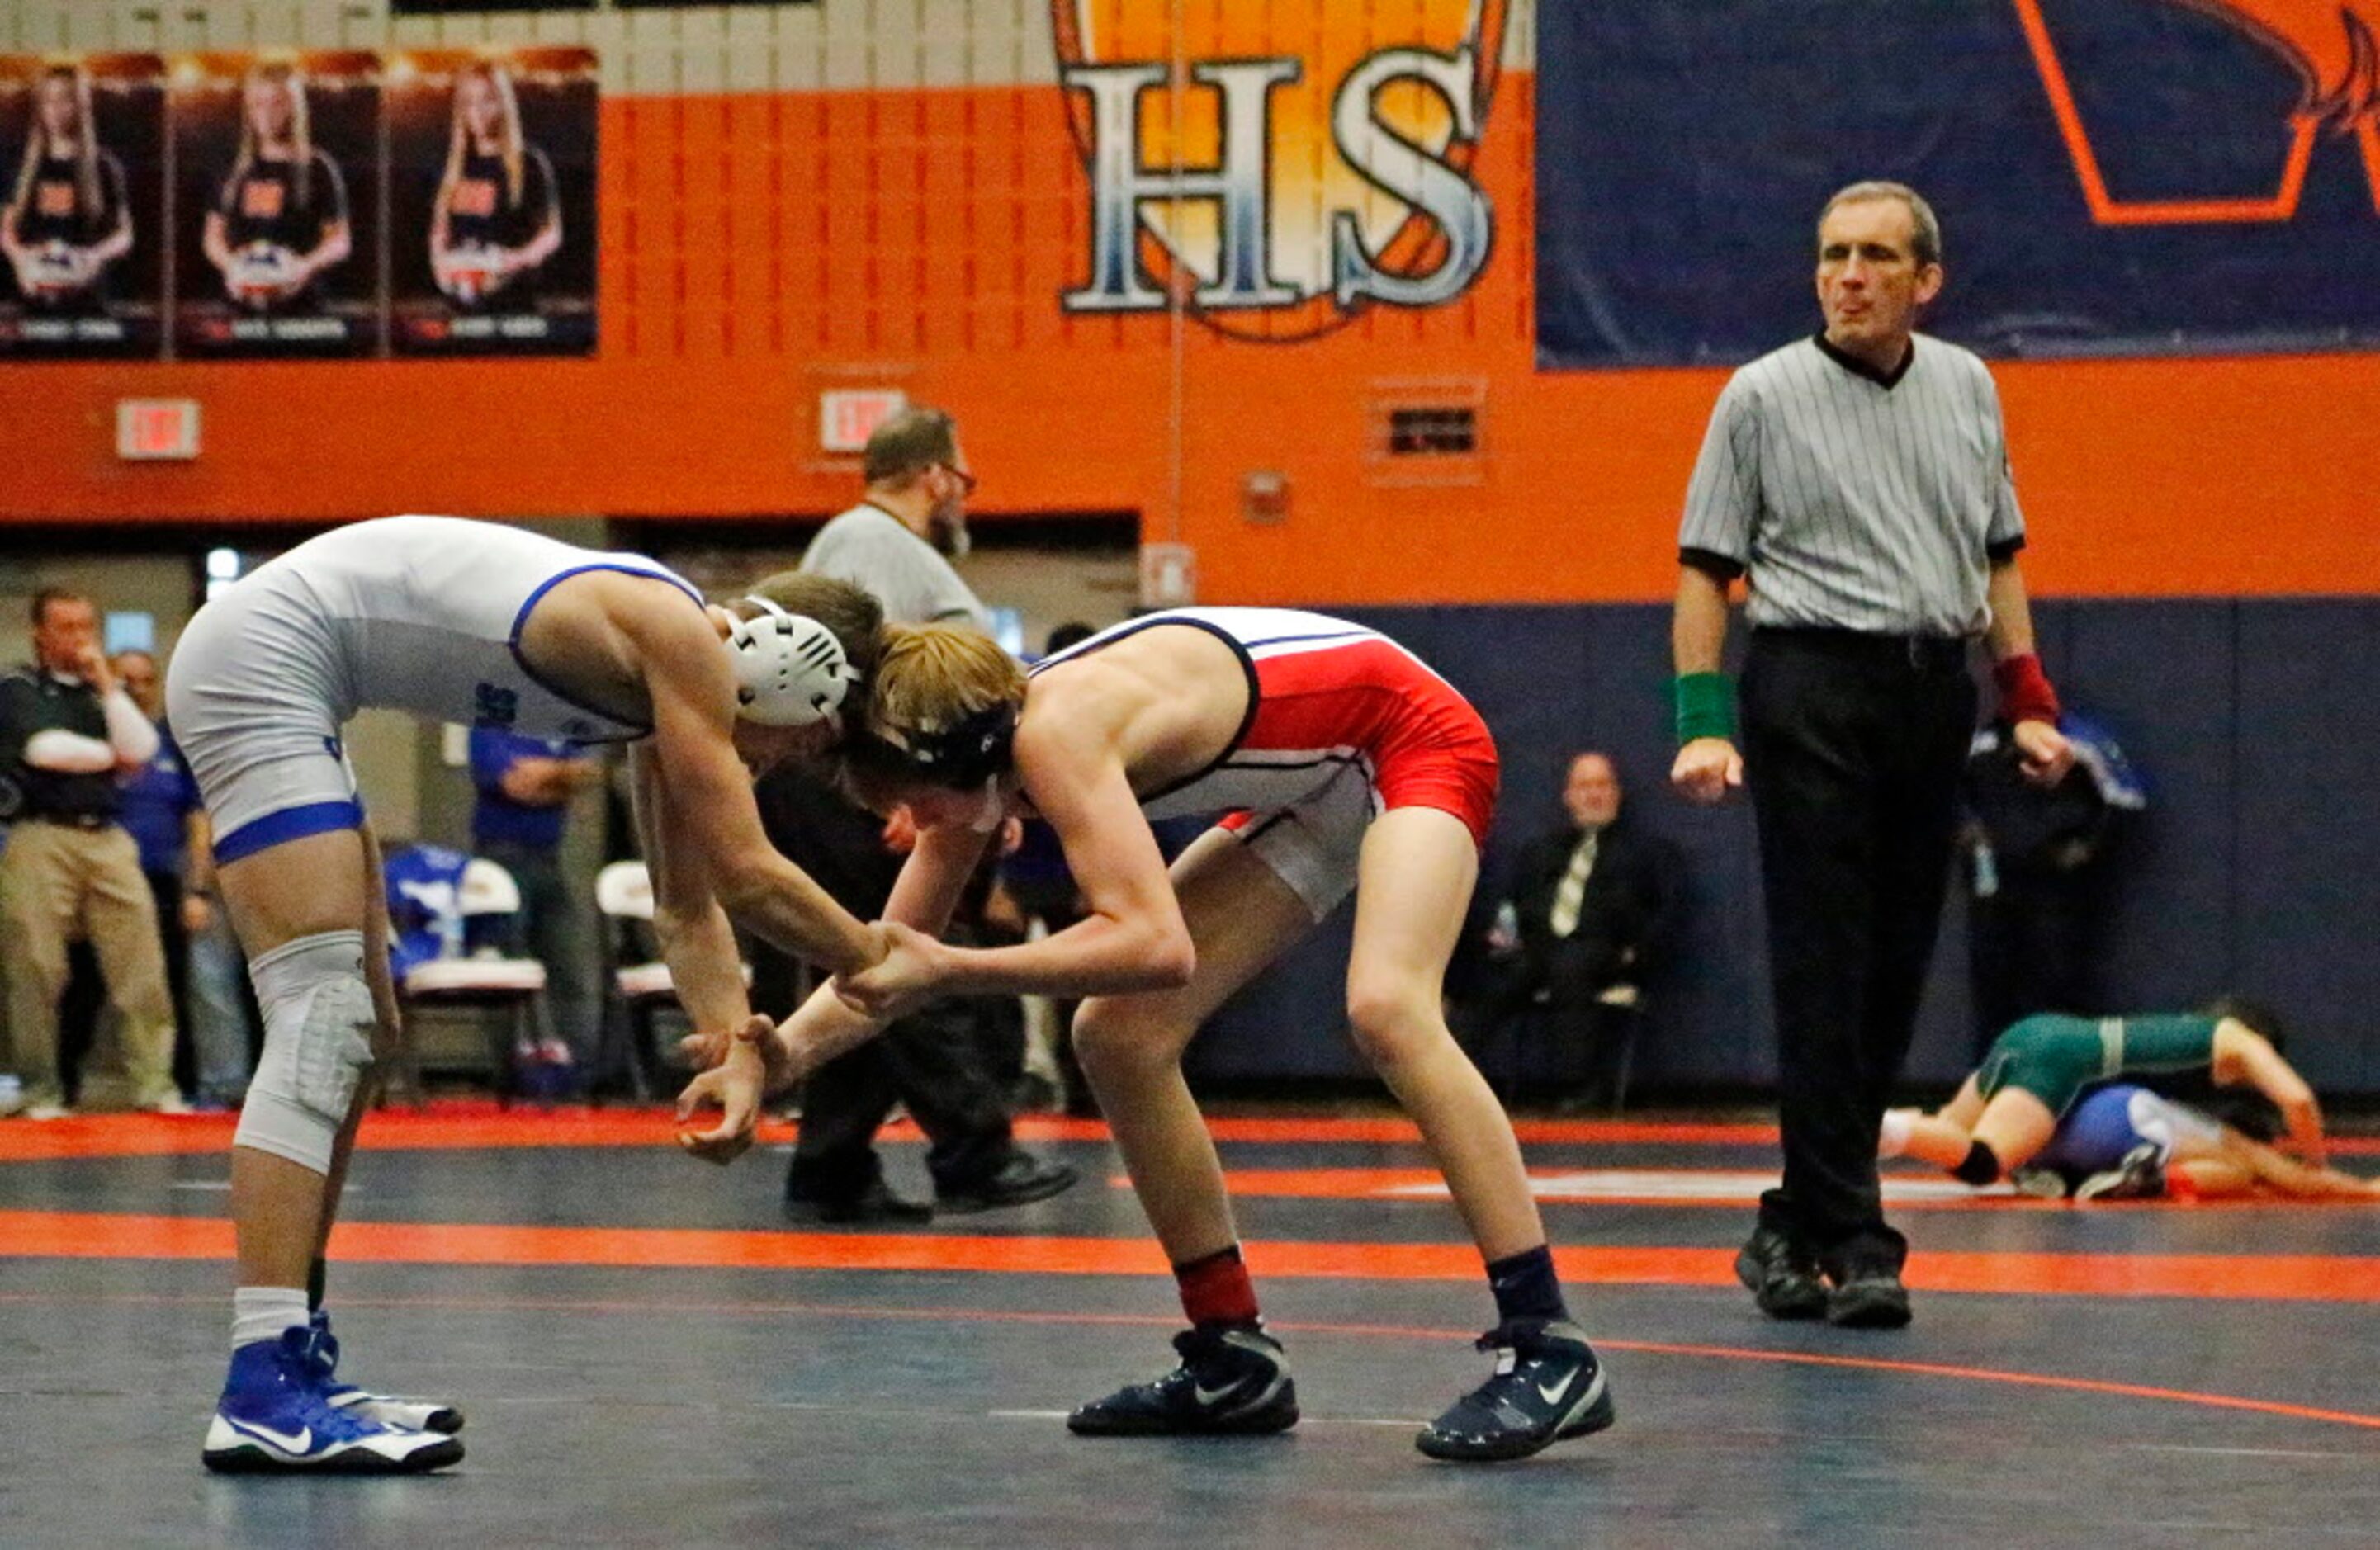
1852 746
931 1061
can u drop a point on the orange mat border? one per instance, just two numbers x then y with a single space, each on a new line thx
482 1126
94 1235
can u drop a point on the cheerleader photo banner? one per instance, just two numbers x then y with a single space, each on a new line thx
83 142
323 204
492 202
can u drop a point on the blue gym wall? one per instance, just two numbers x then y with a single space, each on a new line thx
2256 868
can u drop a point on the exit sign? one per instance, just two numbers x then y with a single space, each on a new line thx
152 429
847 417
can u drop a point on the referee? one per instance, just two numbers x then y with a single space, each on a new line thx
1861 478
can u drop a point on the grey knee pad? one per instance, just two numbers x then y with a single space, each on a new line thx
319 1016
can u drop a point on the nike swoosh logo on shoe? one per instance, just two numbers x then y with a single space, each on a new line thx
1210 1398
282 1440
1553 1396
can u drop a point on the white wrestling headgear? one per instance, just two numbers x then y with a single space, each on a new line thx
790 671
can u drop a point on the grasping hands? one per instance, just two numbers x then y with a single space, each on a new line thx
909 975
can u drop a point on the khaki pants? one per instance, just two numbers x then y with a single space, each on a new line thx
57 883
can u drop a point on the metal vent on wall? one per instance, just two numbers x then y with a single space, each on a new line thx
1433 432
1429 431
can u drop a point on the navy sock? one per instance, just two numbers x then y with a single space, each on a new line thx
1526 1286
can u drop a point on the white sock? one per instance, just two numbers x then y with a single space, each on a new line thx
1892 1139
262 1313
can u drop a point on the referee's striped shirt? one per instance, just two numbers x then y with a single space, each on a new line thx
1856 500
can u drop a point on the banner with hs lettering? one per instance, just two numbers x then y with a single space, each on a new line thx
2112 176
1307 159
268 238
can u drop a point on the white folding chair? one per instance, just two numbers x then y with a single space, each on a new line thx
635 986
487 980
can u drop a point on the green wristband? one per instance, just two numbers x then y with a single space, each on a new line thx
1705 706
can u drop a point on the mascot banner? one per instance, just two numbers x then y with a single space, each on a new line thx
2112 176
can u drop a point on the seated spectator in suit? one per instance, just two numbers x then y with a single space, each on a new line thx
1592 907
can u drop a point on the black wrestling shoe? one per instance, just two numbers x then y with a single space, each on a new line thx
1020 1181
876 1205
1781 1275
1868 1297
2140 1176
1232 1382
1546 1386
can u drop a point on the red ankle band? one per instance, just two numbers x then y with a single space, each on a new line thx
1216 1289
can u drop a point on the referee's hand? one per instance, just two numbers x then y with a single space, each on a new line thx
1708 768
2045 753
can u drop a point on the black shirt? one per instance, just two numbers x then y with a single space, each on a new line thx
2034 829
838 843
54 208
479 210
270 203
31 701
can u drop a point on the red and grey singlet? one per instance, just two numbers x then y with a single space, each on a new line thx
1325 695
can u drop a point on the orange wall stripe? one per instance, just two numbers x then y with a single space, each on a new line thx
724 314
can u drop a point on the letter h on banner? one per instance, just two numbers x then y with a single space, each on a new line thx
1244 276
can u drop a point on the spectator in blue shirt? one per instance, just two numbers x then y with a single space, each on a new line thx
158 804
525 785
154 802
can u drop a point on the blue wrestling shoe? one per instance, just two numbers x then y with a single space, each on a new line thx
275 1415
1547 1386
1231 1381
415 1415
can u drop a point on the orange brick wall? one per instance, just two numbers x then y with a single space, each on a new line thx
759 246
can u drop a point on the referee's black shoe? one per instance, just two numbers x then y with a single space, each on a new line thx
1546 1386
1867 1295
1020 1181
1233 1381
1782 1276
874 1205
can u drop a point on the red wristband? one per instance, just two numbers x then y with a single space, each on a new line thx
2025 694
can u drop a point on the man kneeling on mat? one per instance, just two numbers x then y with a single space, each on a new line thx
2123 1142
2007 1111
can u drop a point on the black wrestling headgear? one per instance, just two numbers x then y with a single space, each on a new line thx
965 754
